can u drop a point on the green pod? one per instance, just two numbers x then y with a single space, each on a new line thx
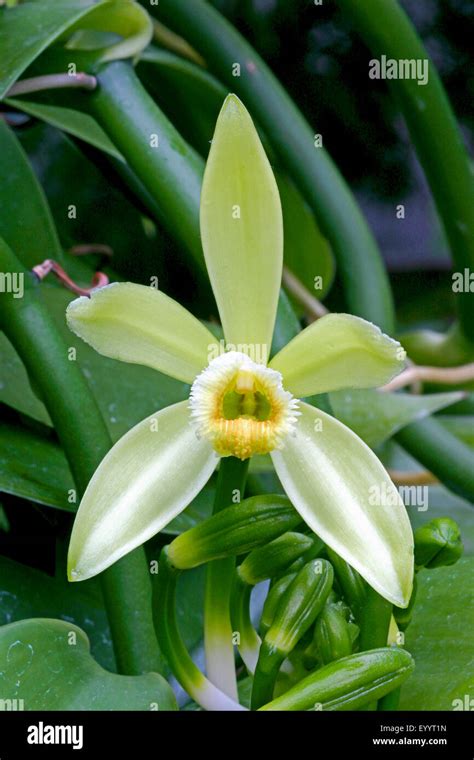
403 616
437 543
235 530
271 602
332 635
267 561
352 584
350 683
296 612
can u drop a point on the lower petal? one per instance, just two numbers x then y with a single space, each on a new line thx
345 495
145 480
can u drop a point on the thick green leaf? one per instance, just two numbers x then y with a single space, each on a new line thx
47 664
73 122
376 416
26 592
15 388
307 253
34 467
28 29
25 219
440 639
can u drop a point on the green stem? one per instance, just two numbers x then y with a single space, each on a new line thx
154 150
374 621
220 573
441 453
164 614
387 30
266 673
360 265
85 440
249 640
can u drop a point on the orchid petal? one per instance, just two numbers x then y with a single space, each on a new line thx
242 230
145 480
345 495
338 351
141 325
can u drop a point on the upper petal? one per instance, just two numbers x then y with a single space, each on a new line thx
141 325
145 480
345 495
242 229
338 351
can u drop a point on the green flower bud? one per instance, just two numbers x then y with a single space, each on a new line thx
350 683
271 602
332 634
352 585
315 550
236 530
437 543
296 612
300 605
267 561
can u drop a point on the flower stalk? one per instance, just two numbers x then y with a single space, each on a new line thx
218 638
190 677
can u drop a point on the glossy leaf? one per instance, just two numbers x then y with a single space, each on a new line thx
27 592
73 122
440 640
19 39
338 351
34 467
344 494
28 29
15 388
241 229
25 219
376 416
47 664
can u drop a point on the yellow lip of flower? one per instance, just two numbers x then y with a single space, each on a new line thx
241 407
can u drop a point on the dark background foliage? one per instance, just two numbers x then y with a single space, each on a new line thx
324 66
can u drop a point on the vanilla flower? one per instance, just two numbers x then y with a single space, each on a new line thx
240 404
